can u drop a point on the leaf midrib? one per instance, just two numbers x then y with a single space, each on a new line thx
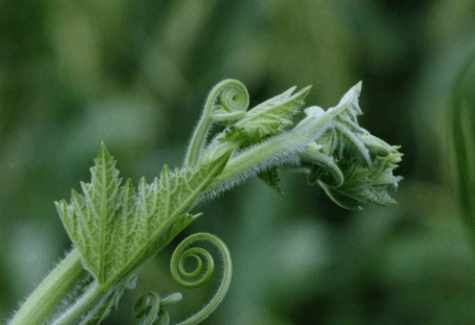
141 252
103 218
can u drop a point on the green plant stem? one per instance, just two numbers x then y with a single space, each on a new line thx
277 149
199 138
41 304
81 307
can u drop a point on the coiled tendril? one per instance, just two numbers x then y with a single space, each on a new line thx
203 270
227 103
150 308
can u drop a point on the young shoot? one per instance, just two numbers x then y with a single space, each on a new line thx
116 224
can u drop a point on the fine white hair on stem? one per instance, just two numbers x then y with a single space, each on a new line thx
279 150
284 158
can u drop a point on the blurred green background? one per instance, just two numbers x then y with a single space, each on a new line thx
135 74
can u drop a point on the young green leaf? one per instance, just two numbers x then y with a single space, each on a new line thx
90 217
115 228
269 118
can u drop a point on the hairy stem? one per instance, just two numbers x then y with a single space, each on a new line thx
40 305
198 140
81 307
274 151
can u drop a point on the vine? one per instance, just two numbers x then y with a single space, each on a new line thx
116 225
150 308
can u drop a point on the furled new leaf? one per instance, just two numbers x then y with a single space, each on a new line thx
351 165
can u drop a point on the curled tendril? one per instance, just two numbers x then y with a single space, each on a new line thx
227 103
151 309
202 272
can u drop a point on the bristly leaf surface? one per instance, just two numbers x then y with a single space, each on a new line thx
269 118
115 227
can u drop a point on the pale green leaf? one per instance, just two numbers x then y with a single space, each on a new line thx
90 216
269 118
116 227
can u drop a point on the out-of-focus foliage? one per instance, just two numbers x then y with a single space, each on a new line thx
134 74
463 136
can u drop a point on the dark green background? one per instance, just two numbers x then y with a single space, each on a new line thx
135 74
